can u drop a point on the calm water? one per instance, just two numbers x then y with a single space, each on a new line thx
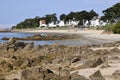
20 35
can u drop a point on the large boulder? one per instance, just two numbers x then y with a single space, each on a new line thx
32 74
75 59
76 76
92 63
96 76
20 44
115 50
116 75
66 63
11 41
29 46
64 74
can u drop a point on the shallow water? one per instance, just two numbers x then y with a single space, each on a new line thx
72 42
20 35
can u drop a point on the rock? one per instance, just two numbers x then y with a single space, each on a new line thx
36 48
96 76
6 66
11 50
66 63
117 44
20 44
32 74
48 74
114 50
76 76
75 59
104 65
116 75
29 46
26 74
2 76
11 41
51 77
25 63
29 58
92 63
44 37
57 61
108 45
85 47
17 62
64 74
48 71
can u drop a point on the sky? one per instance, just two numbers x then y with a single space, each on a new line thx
13 12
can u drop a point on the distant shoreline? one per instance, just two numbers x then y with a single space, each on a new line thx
5 30
2 31
91 36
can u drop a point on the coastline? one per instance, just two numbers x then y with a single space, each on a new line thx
88 36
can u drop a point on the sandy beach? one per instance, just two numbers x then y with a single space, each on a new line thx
89 36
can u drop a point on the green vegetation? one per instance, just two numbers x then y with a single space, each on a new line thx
50 18
34 22
115 28
112 17
112 14
28 23
81 16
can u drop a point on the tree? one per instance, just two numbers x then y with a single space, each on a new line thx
63 17
92 14
50 18
28 23
81 16
112 14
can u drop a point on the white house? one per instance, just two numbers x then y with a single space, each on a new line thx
75 23
52 24
95 22
42 23
72 23
85 23
61 23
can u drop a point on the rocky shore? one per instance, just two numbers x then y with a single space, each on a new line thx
45 37
24 61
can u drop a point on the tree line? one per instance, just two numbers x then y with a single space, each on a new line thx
111 15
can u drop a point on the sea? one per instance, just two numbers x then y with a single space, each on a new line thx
21 35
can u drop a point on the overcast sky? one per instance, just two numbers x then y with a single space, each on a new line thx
15 11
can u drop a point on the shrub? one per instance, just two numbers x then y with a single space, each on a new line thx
117 28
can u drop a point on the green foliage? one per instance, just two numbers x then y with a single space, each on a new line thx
115 28
109 27
63 17
112 14
50 17
28 23
79 16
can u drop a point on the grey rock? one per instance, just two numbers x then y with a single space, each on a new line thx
96 76
116 75
76 76
75 59
11 41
